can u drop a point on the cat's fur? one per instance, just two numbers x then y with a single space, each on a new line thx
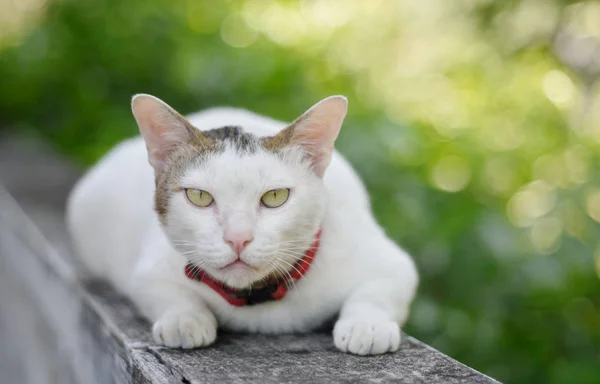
358 272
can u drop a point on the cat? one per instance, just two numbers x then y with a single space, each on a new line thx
227 219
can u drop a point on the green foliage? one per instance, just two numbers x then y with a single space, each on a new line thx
461 124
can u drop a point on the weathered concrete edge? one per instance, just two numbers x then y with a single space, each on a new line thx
45 267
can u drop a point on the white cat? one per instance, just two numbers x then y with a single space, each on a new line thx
257 226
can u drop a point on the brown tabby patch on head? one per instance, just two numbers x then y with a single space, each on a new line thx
235 136
200 145
282 139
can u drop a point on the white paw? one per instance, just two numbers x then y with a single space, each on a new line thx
364 337
185 329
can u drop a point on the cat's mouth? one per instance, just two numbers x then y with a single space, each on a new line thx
237 264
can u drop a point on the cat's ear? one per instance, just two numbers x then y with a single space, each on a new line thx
316 131
162 128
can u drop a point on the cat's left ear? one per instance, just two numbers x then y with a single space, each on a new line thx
316 131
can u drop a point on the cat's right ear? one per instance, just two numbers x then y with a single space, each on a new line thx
161 127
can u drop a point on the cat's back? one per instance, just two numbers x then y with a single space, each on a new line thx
109 208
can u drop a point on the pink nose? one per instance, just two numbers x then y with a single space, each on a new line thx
238 241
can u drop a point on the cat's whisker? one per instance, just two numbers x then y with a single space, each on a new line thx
261 280
198 267
299 257
302 244
296 250
293 252
284 272
183 242
274 266
292 281
275 270
299 246
289 264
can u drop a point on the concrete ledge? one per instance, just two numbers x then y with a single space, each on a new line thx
58 327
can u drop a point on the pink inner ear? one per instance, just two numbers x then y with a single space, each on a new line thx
156 158
318 129
160 126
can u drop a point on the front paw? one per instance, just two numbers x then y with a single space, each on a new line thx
364 337
185 329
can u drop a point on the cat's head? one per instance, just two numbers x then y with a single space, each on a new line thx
225 195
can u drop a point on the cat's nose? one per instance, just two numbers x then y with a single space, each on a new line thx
238 241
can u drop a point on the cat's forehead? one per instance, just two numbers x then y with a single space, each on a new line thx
231 167
242 159
234 138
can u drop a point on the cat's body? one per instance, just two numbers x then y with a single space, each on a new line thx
357 269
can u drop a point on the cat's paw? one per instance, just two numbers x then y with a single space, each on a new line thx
185 329
364 337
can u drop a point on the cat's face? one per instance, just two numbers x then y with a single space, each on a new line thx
236 224
241 208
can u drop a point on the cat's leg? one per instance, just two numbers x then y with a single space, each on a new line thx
179 315
370 319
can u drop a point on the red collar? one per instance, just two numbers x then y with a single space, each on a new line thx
272 291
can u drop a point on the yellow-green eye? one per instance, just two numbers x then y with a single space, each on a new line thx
275 197
199 197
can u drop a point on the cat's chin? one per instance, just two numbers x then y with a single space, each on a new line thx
239 276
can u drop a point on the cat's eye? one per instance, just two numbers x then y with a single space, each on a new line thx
199 197
275 197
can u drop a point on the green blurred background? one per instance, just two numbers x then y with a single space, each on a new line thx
474 123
